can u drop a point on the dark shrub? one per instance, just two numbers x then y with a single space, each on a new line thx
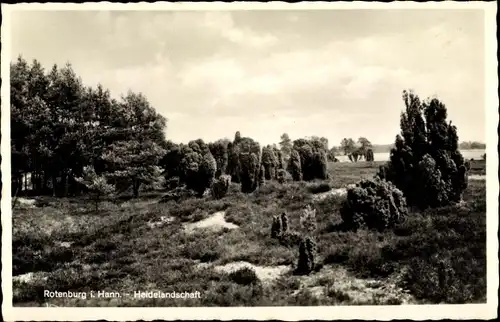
284 222
220 187
269 162
373 203
249 166
307 252
276 227
294 166
172 183
244 276
313 158
319 187
369 155
206 174
320 165
279 225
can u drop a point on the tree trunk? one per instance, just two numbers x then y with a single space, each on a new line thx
54 181
135 186
66 175
45 180
14 200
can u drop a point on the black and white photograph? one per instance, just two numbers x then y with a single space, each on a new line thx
304 158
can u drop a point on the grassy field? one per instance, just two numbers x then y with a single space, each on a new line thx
143 245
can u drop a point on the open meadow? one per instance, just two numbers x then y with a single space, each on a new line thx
206 245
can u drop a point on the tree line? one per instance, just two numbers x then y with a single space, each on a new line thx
59 128
67 138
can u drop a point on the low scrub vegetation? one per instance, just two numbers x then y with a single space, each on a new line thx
115 249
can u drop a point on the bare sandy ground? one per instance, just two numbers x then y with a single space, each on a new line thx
214 222
266 274
334 192
29 277
25 203
164 220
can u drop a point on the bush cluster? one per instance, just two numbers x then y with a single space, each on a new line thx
313 160
376 204
193 164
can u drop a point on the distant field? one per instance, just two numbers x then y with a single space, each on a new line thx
143 245
384 156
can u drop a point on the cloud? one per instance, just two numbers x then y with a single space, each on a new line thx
330 73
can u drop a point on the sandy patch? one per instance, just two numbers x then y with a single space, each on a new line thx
164 220
339 192
266 274
336 281
29 277
64 244
25 203
214 222
334 192
477 177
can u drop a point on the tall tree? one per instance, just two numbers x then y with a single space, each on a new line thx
364 146
22 122
135 158
219 150
425 162
347 146
58 127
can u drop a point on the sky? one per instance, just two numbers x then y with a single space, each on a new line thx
331 73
